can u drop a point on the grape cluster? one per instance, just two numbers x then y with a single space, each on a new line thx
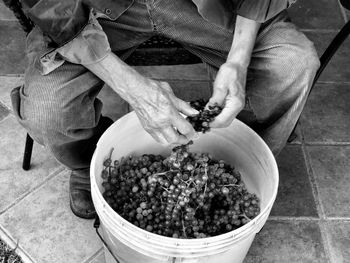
186 195
201 121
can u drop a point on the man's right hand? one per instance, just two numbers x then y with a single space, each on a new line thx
153 101
159 112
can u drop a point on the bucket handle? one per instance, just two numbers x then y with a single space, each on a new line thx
96 226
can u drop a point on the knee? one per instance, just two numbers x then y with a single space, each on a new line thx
301 63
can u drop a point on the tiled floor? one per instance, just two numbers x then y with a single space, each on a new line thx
310 221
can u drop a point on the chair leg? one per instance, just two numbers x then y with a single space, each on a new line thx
293 135
27 153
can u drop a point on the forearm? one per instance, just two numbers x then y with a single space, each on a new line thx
122 78
243 41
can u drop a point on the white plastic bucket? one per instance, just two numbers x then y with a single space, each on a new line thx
237 144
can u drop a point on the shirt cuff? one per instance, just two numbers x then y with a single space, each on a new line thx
89 46
262 10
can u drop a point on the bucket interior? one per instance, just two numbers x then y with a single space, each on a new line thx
237 144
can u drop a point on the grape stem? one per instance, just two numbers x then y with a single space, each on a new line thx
245 216
183 227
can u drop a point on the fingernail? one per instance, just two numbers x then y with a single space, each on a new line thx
194 111
196 136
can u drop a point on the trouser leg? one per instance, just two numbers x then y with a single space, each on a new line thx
60 110
282 68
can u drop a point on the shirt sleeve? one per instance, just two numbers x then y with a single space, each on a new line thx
89 46
60 20
262 10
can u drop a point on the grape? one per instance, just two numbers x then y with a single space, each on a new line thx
185 195
201 121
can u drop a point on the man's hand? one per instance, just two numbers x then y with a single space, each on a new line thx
159 112
229 85
229 92
153 101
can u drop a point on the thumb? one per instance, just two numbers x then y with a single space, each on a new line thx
218 97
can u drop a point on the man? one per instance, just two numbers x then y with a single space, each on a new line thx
263 65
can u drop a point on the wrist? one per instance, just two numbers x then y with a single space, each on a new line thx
239 56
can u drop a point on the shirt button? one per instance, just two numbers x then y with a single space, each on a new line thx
108 11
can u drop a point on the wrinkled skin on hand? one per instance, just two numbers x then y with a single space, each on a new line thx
228 92
159 112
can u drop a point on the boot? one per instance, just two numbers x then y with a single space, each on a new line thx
80 194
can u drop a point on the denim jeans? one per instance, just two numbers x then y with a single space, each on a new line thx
60 110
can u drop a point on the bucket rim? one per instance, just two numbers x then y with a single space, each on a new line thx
148 235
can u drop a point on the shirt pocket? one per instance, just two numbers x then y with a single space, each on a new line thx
111 9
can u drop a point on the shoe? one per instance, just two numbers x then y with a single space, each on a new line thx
80 194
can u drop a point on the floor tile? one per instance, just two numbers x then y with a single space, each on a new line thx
286 242
336 70
191 90
339 233
316 14
4 111
326 115
294 196
6 85
46 227
100 258
14 181
331 168
11 48
5 13
178 72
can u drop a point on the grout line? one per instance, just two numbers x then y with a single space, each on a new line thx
291 218
3 104
323 82
309 218
9 240
326 241
318 202
327 143
94 256
310 173
32 190
313 182
6 117
8 19
340 219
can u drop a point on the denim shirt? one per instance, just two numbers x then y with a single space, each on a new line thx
77 37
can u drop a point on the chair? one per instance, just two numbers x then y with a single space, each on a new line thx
162 51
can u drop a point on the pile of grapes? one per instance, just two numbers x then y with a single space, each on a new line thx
186 195
201 121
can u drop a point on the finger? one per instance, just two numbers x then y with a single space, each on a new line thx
218 97
173 137
232 107
158 136
184 127
166 86
184 107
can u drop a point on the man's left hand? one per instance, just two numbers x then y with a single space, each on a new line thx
228 92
